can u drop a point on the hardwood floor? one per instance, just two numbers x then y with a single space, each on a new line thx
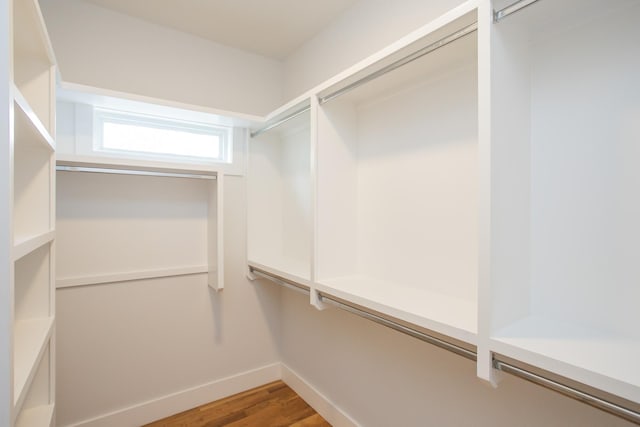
271 405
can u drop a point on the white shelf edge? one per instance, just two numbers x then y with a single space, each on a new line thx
98 279
25 246
28 352
281 273
566 369
440 327
39 416
32 118
135 164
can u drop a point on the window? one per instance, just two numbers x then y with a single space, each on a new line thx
142 136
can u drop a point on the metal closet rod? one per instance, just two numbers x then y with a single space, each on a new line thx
567 390
91 169
280 281
402 61
281 121
511 9
454 348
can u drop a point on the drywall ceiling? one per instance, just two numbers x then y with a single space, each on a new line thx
272 28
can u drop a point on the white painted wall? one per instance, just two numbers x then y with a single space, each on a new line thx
131 343
360 31
105 49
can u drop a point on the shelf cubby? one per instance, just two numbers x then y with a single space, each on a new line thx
280 225
33 161
32 285
33 59
33 191
37 407
31 338
397 186
564 191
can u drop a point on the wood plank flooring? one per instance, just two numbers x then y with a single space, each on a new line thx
271 405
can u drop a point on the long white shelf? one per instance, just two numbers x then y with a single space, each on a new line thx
24 245
40 416
29 129
30 341
606 362
106 162
444 314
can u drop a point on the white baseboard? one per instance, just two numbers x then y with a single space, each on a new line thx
181 401
322 405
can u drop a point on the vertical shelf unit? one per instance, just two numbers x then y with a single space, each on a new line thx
565 134
397 182
478 179
28 219
279 205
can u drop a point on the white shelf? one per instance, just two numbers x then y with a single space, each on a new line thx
609 363
444 314
294 271
108 162
29 129
24 245
39 416
31 338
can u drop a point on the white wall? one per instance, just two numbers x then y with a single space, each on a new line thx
360 31
130 343
105 49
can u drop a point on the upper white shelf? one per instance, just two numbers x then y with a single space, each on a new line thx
427 38
609 363
444 314
29 129
73 160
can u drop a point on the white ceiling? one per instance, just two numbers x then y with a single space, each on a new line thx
272 28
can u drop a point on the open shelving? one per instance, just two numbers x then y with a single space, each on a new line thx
33 189
564 192
28 217
397 185
280 222
481 185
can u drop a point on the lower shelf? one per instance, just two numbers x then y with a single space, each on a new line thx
444 314
602 361
30 342
40 416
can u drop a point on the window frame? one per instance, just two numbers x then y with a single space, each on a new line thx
104 115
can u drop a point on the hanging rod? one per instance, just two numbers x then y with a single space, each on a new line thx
438 342
289 284
511 9
567 390
402 61
281 121
91 169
